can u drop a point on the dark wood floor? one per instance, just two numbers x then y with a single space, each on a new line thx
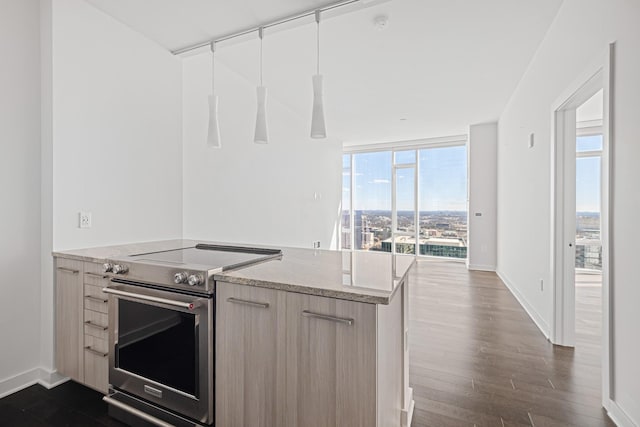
68 405
477 359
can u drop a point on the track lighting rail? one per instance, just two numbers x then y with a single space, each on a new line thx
277 22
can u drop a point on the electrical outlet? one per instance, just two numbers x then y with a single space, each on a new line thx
541 285
84 220
316 244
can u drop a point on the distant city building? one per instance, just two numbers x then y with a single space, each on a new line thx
442 247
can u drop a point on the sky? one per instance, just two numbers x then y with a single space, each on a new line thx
588 175
443 179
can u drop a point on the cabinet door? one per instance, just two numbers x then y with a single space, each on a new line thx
69 323
331 362
249 339
96 363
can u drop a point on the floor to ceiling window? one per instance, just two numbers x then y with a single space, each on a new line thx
406 200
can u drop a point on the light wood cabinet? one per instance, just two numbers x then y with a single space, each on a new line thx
249 340
331 362
81 323
285 359
69 312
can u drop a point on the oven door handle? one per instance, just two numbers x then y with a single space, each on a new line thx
181 304
138 413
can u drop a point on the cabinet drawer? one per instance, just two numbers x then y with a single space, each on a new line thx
93 275
96 324
95 299
95 291
95 345
96 279
96 364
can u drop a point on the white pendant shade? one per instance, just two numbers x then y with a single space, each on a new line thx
213 138
262 133
318 127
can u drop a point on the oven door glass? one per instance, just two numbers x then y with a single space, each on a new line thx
158 344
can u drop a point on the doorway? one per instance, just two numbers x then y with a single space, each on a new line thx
580 256
588 236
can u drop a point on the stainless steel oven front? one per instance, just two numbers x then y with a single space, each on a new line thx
162 347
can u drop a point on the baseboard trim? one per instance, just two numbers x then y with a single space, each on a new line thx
407 414
51 379
619 416
44 377
533 314
481 267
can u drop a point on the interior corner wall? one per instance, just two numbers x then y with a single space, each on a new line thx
579 36
111 141
482 153
284 193
20 189
117 129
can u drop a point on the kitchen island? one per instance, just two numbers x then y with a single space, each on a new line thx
314 338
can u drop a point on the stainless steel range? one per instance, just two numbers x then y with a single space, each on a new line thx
161 332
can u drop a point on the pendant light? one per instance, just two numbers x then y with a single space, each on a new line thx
213 137
318 127
261 134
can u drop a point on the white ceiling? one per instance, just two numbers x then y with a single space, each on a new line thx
440 65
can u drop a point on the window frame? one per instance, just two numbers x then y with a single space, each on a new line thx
394 147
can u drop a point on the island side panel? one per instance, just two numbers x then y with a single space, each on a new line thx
407 392
390 368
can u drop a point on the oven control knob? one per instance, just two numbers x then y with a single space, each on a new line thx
120 269
107 267
180 278
196 279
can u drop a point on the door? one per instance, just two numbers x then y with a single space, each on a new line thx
69 313
331 362
563 231
249 342
161 348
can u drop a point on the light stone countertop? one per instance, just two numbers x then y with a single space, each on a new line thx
363 276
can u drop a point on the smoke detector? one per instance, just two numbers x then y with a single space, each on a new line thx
381 22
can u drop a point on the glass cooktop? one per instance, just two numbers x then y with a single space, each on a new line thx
209 257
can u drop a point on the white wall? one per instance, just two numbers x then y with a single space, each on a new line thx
579 36
19 188
482 154
251 193
111 140
116 131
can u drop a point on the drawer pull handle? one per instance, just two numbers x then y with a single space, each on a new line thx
99 276
95 325
96 352
97 299
246 302
307 313
68 270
